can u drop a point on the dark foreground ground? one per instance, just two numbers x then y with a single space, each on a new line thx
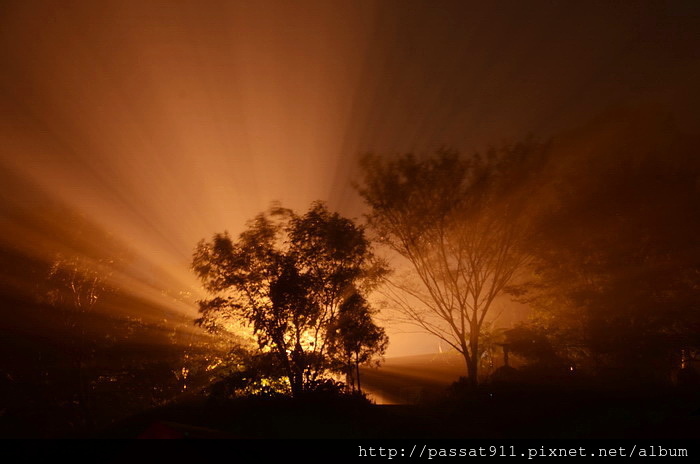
488 414
414 398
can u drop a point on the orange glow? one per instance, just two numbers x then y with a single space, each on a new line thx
163 123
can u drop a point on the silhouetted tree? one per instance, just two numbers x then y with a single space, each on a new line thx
75 283
459 222
616 279
355 337
287 276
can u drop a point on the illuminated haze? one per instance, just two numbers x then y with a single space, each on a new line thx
165 122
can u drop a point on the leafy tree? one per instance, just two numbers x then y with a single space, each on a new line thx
77 282
616 277
77 279
287 277
459 223
356 338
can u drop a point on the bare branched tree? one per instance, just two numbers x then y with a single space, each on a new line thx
459 223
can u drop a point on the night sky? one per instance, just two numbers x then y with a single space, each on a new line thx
164 122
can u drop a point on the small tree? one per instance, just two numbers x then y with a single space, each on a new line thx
75 285
287 277
459 223
356 338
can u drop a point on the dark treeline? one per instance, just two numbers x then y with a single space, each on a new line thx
595 231
78 352
616 271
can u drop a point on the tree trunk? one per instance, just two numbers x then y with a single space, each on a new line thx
473 357
471 370
295 381
298 368
349 379
357 372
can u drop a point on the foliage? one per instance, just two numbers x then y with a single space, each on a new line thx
355 338
533 344
459 222
256 374
77 279
615 280
77 282
287 277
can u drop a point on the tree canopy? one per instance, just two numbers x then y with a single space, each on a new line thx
295 280
615 274
459 222
355 338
